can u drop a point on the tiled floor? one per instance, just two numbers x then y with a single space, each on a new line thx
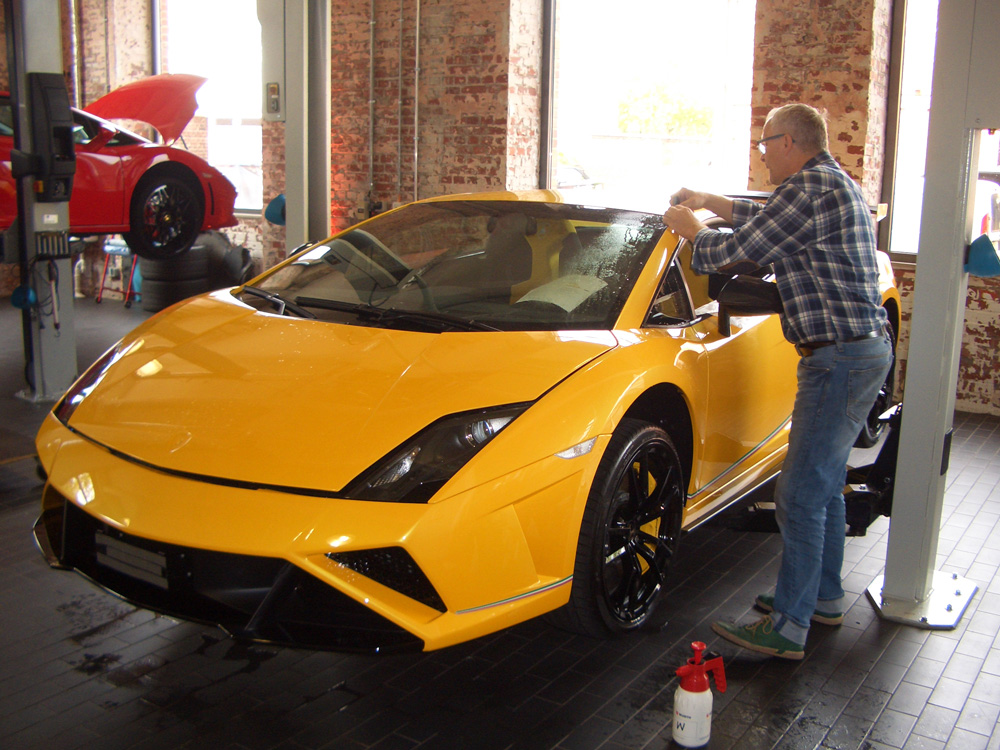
80 669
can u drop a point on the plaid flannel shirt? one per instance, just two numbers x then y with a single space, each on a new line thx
817 232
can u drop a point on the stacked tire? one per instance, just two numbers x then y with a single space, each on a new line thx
170 280
213 262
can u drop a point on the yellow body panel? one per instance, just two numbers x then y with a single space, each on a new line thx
192 391
515 534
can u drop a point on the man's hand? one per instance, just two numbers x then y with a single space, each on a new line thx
689 199
719 205
682 220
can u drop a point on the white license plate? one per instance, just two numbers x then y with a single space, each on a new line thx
130 560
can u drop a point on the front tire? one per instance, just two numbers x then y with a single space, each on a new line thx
629 535
165 217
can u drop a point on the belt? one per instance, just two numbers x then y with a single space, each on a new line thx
806 349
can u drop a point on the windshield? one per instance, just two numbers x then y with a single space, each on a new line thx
470 265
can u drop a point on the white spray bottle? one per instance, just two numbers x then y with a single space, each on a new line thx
693 698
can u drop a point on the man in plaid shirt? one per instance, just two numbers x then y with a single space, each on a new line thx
817 233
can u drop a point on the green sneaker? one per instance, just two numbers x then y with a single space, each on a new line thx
761 637
765 603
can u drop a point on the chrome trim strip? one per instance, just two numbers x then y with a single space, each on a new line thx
500 603
707 486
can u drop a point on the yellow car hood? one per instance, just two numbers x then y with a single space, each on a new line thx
216 389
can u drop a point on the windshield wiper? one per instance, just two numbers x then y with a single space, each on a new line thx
444 319
280 303
387 315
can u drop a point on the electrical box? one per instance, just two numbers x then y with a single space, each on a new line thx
53 158
271 14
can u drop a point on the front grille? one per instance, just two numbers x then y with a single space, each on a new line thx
251 597
392 567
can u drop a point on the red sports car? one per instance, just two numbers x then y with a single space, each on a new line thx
159 198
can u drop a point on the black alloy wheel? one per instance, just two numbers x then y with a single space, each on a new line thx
166 217
630 533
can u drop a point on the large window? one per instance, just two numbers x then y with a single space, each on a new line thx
220 40
651 95
919 39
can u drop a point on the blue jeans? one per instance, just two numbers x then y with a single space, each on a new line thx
837 387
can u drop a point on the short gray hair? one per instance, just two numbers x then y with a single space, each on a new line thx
806 125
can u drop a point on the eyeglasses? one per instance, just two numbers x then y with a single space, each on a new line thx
762 143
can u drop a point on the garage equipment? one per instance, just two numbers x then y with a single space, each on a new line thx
867 494
118 248
869 488
43 165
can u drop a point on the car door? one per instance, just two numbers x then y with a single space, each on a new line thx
98 196
742 425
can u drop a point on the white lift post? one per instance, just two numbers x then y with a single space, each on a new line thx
964 101
295 42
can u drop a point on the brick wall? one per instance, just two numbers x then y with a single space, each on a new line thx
195 136
832 54
272 238
524 114
4 77
979 362
462 117
114 44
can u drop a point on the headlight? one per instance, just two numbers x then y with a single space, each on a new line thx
414 471
86 383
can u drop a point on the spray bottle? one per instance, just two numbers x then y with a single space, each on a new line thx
693 698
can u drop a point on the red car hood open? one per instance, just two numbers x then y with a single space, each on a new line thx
166 101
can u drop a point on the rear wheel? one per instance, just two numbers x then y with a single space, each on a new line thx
165 217
629 536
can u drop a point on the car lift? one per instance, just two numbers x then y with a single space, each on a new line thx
869 488
43 172
867 494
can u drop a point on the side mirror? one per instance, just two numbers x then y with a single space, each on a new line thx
716 281
747 295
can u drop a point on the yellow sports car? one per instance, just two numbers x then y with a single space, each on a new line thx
448 419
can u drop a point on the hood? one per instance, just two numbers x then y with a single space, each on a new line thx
166 101
216 389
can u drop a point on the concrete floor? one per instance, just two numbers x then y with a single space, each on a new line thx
80 669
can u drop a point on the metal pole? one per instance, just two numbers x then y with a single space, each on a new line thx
416 107
911 591
371 104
